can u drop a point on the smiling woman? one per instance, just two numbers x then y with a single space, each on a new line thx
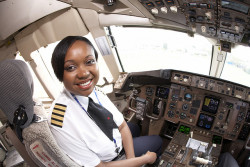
75 122
81 73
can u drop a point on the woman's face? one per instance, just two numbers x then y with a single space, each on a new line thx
81 72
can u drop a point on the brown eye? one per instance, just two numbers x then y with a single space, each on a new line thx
70 68
90 61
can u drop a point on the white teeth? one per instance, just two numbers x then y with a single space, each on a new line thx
86 83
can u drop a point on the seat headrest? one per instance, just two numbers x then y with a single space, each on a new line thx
16 89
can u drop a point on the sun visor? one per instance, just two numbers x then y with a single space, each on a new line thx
48 30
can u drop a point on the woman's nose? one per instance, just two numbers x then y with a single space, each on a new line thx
83 73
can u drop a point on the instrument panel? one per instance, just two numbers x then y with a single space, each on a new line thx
218 113
206 103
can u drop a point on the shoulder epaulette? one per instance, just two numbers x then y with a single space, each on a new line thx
57 115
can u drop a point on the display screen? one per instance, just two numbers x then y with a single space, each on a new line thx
216 139
188 97
235 6
210 105
162 92
205 121
184 129
229 105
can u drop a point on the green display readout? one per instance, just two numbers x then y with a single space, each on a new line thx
184 129
216 139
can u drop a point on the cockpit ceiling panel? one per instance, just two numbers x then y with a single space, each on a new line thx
15 14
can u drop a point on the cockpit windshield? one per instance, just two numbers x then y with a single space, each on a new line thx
144 49
236 67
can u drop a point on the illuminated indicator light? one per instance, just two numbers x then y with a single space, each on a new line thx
170 2
193 5
150 4
223 32
159 3
203 5
207 101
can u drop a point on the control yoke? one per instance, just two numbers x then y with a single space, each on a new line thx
141 107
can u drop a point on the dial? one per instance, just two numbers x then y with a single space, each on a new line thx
185 107
171 114
149 91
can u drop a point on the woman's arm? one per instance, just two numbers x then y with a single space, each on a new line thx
147 158
130 160
127 140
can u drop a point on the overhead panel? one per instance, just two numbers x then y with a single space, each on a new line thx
225 20
119 7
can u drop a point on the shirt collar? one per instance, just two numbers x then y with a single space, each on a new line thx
83 99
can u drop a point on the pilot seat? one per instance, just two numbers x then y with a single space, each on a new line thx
27 126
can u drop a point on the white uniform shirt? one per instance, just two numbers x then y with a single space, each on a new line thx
78 136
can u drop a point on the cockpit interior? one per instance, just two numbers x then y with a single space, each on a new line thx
168 84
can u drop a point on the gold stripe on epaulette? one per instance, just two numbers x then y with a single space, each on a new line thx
58 113
57 117
56 123
60 106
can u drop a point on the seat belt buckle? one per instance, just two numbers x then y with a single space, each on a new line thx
38 118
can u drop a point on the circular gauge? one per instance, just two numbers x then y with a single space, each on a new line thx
170 114
183 115
149 91
188 97
185 107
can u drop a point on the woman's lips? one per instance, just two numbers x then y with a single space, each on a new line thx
85 85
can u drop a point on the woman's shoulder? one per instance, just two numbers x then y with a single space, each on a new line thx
63 99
